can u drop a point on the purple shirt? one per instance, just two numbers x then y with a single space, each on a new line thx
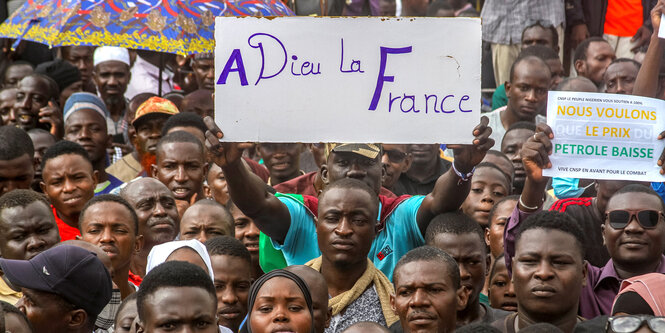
602 284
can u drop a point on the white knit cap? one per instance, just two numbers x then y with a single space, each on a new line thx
110 53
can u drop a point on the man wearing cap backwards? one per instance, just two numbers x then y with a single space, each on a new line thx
289 220
148 122
111 75
64 288
85 124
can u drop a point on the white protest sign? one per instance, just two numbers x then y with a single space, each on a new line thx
661 29
605 136
344 79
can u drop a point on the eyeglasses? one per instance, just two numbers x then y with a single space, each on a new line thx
631 323
647 218
395 156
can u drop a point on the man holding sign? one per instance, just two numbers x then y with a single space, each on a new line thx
635 241
290 223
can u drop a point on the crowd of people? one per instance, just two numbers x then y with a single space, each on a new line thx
123 211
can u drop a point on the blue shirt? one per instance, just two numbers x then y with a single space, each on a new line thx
400 235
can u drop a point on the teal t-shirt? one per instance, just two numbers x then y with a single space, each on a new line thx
399 236
499 97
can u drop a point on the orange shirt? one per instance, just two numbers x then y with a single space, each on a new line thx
623 17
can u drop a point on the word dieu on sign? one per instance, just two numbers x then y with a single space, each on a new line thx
427 103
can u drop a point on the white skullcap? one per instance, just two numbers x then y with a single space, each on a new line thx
111 53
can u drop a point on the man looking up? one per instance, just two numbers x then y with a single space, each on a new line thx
147 130
155 207
111 76
64 288
428 292
591 59
27 228
426 167
181 165
530 78
231 264
549 273
17 167
69 182
85 124
81 56
460 236
635 244
285 217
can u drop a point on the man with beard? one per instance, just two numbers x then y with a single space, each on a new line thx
147 130
159 221
111 75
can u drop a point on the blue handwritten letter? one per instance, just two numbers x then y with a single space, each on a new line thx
382 72
235 58
259 45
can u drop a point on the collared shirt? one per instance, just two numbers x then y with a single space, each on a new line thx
67 232
145 77
504 20
126 169
8 294
602 284
408 185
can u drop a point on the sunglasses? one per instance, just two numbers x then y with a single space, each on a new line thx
631 323
647 218
395 156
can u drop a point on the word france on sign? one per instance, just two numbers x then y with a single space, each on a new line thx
605 136
347 79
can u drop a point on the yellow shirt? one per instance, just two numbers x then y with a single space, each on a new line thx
7 294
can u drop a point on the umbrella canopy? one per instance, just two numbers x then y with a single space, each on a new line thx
171 26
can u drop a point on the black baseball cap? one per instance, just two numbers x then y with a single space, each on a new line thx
71 272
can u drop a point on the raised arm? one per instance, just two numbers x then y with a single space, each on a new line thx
535 157
247 190
450 189
646 83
